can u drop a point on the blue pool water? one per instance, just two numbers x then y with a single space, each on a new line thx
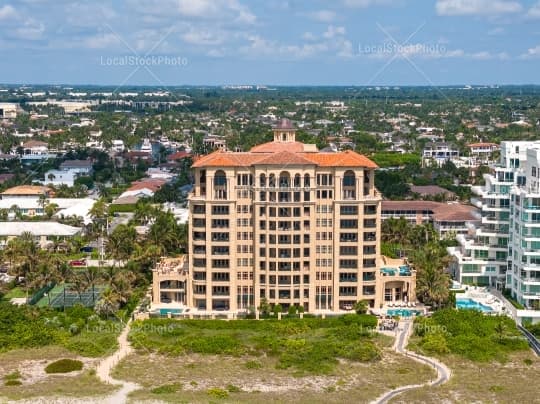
403 312
164 312
470 304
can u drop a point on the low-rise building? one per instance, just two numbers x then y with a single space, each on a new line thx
26 191
170 282
446 218
40 230
68 172
439 153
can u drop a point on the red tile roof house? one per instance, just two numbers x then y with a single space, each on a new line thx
180 155
144 188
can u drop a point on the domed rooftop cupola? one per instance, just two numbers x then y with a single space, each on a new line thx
284 131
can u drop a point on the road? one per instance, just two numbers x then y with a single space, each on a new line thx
443 373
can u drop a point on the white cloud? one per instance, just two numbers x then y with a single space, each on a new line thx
309 36
496 31
101 41
477 7
323 15
31 30
332 32
332 43
88 14
367 3
7 12
532 53
224 10
534 11
426 51
203 37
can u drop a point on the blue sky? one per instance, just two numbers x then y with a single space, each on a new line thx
287 42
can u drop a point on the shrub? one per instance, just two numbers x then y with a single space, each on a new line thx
167 389
64 366
253 365
13 376
231 388
292 310
15 382
216 392
435 343
277 309
361 307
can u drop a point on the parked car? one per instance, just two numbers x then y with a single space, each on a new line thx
78 263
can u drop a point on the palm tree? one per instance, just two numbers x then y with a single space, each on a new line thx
395 231
122 286
42 201
107 303
144 212
432 282
79 285
50 209
91 276
15 210
44 276
63 272
500 329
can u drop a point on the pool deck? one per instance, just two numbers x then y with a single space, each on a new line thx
484 297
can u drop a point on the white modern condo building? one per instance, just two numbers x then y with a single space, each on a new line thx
504 250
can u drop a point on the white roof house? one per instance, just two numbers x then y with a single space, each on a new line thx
67 206
10 229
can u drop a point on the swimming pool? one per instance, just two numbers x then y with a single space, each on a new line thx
403 312
470 304
164 312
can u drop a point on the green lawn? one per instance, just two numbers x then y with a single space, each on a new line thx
309 345
16 292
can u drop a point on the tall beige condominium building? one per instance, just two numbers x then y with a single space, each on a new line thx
284 222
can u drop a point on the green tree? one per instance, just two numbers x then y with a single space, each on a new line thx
432 282
361 307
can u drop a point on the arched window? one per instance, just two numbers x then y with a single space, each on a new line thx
349 185
297 180
220 178
306 180
272 181
220 185
284 179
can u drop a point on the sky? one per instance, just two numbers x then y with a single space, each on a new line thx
270 42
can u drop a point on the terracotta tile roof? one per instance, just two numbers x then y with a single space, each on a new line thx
283 156
275 147
343 159
34 143
448 212
27 190
152 184
286 158
227 159
178 155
